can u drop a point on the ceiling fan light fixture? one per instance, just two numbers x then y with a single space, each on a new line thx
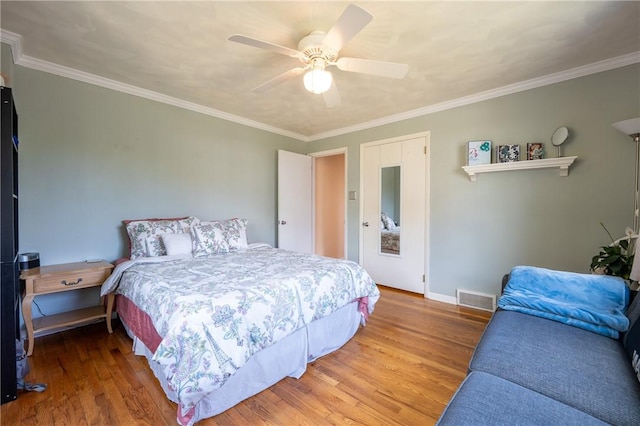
318 80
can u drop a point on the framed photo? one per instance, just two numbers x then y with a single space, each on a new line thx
535 151
479 152
507 153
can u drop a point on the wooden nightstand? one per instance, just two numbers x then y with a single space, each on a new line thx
58 278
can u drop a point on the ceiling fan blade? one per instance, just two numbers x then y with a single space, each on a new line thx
279 79
332 96
350 23
366 66
249 41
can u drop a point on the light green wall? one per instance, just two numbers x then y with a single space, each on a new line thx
480 230
91 157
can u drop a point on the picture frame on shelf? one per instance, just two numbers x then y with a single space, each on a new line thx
507 153
535 151
478 152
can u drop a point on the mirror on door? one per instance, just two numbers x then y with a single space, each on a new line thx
390 210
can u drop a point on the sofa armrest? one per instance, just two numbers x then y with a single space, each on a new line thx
505 280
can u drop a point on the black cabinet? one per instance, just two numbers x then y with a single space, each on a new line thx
9 270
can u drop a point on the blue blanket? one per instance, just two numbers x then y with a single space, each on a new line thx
593 302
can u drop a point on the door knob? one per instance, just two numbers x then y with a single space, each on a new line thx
365 223
283 222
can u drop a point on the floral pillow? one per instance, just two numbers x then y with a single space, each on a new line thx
145 235
208 238
235 232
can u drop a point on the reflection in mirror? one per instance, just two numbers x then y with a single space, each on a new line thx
390 210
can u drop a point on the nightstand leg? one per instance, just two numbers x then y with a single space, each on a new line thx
110 298
28 321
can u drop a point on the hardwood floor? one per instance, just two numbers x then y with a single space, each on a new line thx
401 369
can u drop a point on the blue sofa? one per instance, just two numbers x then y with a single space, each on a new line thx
529 370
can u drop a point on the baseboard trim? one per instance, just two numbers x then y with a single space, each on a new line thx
442 298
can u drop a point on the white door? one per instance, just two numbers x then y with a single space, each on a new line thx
394 183
295 192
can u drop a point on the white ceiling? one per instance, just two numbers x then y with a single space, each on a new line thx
178 52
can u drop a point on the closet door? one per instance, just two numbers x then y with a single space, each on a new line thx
394 213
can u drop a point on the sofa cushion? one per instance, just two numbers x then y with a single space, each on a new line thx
587 371
484 399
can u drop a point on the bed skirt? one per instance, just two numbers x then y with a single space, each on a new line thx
286 358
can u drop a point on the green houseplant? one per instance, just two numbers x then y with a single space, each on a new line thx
617 258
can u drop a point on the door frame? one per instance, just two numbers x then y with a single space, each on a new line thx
427 136
329 153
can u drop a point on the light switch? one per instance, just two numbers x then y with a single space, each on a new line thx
352 195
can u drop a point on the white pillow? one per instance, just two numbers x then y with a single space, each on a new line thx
177 243
388 222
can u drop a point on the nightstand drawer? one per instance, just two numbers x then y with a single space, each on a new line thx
70 281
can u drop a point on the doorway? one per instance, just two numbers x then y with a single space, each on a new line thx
312 195
330 194
394 237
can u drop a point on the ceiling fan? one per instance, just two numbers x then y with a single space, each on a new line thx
318 51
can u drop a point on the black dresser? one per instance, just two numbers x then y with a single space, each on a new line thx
9 267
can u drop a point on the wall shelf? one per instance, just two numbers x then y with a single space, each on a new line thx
561 163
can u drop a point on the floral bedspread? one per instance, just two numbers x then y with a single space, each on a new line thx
213 313
390 241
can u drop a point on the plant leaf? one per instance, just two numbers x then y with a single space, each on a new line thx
610 260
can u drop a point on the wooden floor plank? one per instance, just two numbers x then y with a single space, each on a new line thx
401 369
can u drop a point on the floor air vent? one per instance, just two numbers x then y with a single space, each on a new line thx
486 302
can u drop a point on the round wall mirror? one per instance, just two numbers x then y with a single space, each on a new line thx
559 137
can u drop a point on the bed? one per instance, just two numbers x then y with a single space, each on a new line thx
390 241
389 235
217 328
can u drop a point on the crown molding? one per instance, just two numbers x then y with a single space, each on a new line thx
40 65
596 67
15 41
